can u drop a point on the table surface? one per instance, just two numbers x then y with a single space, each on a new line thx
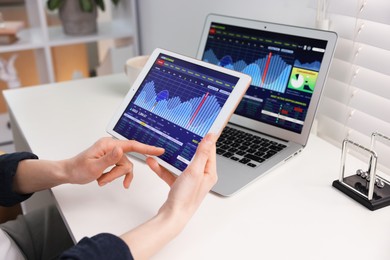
291 213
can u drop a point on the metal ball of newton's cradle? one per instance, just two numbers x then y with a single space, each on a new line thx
378 182
362 173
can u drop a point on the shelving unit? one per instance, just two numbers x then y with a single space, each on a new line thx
41 38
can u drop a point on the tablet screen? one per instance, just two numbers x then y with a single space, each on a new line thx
175 106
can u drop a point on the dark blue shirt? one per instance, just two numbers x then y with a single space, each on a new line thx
8 165
102 246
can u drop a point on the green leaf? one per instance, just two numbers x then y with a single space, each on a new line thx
115 2
100 4
54 4
86 5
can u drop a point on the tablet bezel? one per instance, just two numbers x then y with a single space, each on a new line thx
223 117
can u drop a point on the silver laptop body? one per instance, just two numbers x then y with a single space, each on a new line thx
288 66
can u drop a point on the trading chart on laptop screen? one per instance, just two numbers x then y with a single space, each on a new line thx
284 70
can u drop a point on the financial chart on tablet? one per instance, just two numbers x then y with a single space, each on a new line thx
175 106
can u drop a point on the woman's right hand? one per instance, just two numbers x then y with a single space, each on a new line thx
186 194
189 189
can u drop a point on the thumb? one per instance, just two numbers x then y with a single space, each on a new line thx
203 152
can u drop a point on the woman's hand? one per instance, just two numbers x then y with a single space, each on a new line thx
89 165
106 152
189 189
186 194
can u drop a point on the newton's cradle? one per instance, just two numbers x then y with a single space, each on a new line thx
366 186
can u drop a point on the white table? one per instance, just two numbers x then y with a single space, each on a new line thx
291 213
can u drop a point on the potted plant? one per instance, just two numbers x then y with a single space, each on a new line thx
78 17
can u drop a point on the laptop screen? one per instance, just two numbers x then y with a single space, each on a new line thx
284 70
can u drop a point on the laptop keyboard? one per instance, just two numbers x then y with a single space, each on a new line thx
246 148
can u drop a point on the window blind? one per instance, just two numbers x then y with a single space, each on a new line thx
356 98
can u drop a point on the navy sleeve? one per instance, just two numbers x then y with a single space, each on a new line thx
103 246
8 165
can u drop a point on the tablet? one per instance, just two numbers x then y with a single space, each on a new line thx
174 102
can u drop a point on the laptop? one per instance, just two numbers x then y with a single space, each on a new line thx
272 123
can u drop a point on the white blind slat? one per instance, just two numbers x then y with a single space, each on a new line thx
376 11
335 110
373 10
373 58
364 55
345 51
372 81
337 90
337 133
369 34
366 124
371 104
344 26
340 70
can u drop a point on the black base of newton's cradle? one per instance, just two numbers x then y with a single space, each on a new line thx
381 196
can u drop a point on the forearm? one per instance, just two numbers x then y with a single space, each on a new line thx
147 239
37 175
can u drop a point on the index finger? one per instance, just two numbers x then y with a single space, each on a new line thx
135 146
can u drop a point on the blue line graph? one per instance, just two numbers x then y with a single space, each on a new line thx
309 66
196 114
269 72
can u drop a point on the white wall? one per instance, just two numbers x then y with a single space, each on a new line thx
176 25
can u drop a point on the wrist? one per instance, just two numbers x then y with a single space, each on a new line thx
173 217
147 239
62 172
36 175
176 215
